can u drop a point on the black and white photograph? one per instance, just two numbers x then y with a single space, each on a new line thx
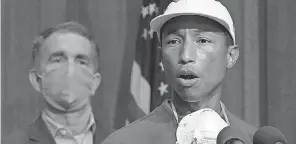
148 72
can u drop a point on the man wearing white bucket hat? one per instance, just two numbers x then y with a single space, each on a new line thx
198 46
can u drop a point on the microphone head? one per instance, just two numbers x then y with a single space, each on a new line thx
230 135
269 135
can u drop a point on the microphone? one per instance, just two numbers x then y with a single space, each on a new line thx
269 135
231 135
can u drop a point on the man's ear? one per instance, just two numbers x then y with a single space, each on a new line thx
96 82
232 55
35 80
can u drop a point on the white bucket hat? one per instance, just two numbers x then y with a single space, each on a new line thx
208 8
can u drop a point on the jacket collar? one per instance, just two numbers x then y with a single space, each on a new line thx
54 127
39 132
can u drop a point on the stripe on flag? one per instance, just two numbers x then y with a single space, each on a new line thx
140 88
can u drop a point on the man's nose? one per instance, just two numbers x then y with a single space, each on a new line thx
70 68
188 53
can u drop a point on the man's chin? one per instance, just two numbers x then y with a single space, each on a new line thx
191 99
74 109
188 96
62 109
69 109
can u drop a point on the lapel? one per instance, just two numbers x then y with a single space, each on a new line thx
38 133
235 122
100 133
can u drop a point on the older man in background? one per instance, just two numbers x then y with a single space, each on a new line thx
198 46
65 72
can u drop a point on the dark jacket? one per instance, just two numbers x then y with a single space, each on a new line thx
38 133
159 127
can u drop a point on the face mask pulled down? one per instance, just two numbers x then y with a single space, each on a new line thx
68 87
200 127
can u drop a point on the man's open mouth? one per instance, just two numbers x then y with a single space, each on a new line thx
187 74
187 78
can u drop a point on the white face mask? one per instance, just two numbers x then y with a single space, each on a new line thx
202 126
67 92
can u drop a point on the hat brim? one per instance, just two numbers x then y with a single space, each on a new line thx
157 23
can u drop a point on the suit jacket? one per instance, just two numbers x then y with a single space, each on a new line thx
38 133
159 127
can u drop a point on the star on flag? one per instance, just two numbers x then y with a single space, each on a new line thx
150 9
146 32
144 11
151 32
153 8
161 66
163 88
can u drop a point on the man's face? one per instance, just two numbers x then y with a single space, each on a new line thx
195 56
67 67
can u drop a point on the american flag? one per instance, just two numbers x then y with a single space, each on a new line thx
148 59
148 87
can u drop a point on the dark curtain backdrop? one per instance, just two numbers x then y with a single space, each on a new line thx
281 66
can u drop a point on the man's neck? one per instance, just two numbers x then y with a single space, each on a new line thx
184 108
76 121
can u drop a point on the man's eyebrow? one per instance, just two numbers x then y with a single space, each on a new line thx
172 31
83 56
57 54
178 32
199 31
